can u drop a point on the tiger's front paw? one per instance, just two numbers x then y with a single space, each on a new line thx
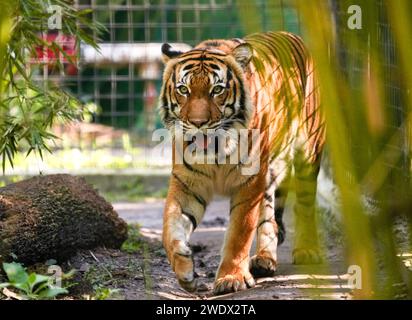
189 286
234 282
182 264
306 256
262 266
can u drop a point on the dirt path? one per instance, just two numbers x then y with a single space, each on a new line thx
291 282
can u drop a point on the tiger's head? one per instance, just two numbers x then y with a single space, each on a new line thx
204 89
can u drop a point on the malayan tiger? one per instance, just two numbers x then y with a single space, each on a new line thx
266 83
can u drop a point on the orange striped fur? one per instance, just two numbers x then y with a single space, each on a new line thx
266 82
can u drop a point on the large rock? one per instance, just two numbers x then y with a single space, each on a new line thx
51 217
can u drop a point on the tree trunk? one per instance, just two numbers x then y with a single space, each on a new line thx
51 217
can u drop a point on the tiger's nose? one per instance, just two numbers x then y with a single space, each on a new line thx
198 122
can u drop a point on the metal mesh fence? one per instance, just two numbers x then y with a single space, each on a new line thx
379 37
124 93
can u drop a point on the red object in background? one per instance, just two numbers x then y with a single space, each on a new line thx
150 95
50 57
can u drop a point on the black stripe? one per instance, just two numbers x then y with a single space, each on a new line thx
189 66
215 76
173 106
301 63
202 51
190 168
212 43
242 91
247 181
174 75
263 222
233 168
279 212
240 116
271 182
187 190
268 197
166 116
214 66
238 204
281 227
234 91
237 40
202 58
192 219
228 75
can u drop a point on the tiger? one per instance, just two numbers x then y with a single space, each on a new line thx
265 82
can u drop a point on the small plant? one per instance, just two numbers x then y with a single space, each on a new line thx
104 293
31 286
134 241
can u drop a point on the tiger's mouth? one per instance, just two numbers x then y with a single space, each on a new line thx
205 142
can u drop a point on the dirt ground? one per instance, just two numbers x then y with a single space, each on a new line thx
146 274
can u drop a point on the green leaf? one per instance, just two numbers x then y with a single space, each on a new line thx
23 286
34 279
15 272
52 292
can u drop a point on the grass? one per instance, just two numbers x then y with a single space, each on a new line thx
134 241
72 159
133 190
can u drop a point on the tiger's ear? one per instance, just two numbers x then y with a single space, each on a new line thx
242 54
169 53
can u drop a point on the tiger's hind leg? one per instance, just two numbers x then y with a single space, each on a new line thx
306 248
271 230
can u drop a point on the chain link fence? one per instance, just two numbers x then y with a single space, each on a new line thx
123 90
123 87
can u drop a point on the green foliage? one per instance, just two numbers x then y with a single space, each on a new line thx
31 285
104 293
28 109
367 109
134 242
365 137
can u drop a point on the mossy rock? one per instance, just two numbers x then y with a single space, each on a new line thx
51 217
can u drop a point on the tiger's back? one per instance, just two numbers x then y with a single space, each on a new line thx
282 87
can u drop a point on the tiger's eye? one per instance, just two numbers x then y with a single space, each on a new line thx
183 90
217 89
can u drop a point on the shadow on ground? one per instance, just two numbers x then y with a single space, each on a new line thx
146 273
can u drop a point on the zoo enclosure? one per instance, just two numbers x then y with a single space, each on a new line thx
124 90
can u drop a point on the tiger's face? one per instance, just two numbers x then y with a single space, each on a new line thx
204 93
